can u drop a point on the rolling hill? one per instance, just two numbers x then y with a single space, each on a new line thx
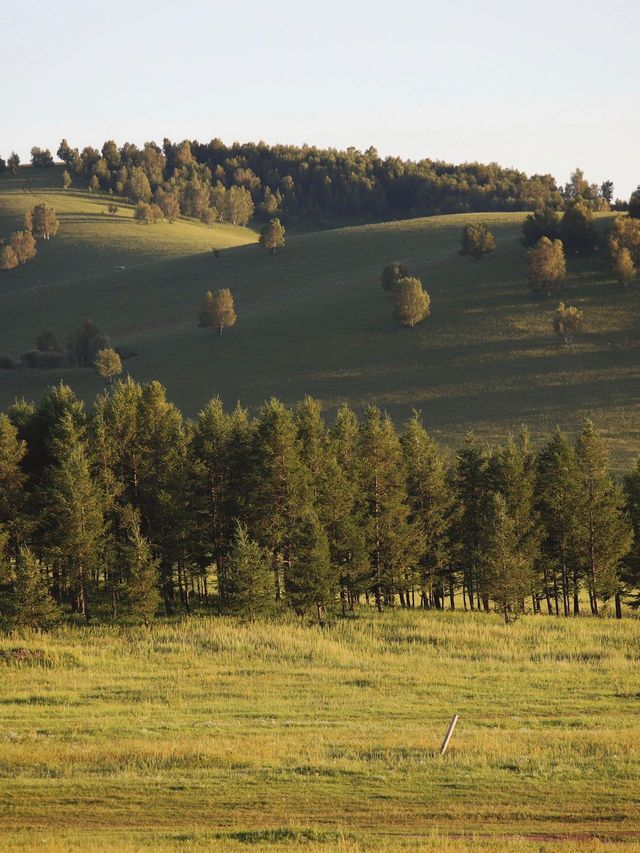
313 319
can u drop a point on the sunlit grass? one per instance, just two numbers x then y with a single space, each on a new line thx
214 729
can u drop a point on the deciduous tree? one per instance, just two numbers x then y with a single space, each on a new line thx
567 321
217 310
477 241
272 235
411 303
108 364
547 265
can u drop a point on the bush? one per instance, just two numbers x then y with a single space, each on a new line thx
36 359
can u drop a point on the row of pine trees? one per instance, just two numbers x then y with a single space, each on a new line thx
129 511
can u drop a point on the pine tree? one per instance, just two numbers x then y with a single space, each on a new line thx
309 579
213 494
335 502
604 535
280 489
512 474
559 497
12 482
162 489
630 570
249 591
394 541
141 577
470 488
75 509
27 601
506 572
430 502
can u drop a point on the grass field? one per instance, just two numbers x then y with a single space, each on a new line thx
208 733
313 319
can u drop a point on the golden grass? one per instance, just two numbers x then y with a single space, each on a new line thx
210 733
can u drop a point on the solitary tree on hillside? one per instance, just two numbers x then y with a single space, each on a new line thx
272 235
8 258
477 241
622 266
23 245
567 321
411 303
547 266
108 364
44 222
392 273
217 310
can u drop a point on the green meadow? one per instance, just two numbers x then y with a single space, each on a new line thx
314 319
213 734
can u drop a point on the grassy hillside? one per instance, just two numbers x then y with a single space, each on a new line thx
313 319
210 734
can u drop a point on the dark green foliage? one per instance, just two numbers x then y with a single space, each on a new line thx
577 230
392 273
25 599
430 502
634 204
544 222
249 589
40 157
37 359
215 182
477 241
129 507
47 342
603 533
85 344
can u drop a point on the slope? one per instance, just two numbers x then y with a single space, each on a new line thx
314 319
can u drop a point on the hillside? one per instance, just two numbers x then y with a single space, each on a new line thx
314 319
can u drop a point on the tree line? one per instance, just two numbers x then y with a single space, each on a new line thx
215 182
130 510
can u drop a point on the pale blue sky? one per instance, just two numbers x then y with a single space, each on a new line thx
543 86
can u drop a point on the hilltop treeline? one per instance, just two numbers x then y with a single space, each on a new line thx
214 181
130 509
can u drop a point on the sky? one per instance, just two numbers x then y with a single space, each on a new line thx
540 86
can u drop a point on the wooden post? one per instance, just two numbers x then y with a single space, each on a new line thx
447 737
